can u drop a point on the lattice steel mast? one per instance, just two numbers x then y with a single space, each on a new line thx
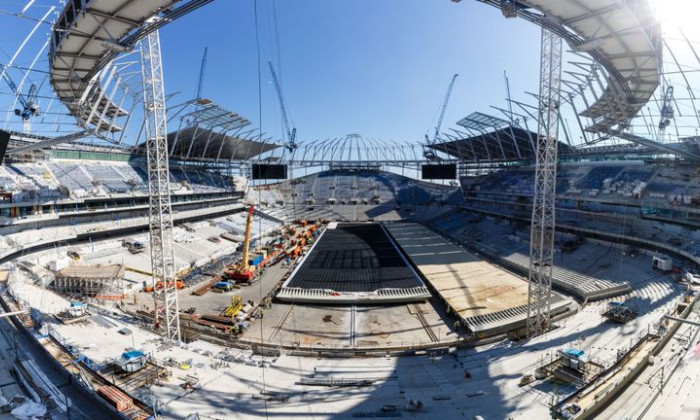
160 212
543 217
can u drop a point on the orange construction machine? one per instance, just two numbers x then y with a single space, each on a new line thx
159 285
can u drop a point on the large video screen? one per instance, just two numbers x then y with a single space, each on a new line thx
439 171
4 140
269 171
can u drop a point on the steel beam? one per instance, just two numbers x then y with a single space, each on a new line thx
47 143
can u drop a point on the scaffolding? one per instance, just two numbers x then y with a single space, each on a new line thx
89 280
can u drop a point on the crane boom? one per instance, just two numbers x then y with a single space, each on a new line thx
510 102
291 134
29 107
444 107
13 86
202 70
246 240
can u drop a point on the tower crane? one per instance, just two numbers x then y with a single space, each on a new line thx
291 134
29 106
539 296
666 111
429 154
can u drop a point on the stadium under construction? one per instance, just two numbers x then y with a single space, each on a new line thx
538 259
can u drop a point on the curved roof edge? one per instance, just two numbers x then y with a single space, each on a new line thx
623 37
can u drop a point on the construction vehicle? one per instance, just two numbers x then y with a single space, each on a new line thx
136 247
234 308
245 270
293 251
619 312
133 246
159 285
223 286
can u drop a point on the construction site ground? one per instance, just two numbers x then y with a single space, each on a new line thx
213 302
338 327
236 384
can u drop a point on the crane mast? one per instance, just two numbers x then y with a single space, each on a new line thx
544 199
160 210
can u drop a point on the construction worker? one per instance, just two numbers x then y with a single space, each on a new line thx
456 325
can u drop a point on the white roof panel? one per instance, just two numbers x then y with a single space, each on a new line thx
626 40
78 48
622 36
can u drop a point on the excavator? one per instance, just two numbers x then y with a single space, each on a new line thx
244 271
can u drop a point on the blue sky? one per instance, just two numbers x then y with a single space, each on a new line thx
378 68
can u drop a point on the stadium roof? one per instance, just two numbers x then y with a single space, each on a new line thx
497 145
478 121
210 132
204 112
200 143
622 36
84 41
351 148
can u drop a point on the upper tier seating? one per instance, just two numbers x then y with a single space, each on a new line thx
339 189
53 180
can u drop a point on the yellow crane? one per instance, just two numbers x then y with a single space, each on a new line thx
245 271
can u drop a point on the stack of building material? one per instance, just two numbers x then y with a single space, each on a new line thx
117 398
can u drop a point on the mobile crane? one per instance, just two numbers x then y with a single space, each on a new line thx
245 271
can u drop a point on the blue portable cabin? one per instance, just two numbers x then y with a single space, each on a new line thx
255 260
77 309
574 358
572 352
132 361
